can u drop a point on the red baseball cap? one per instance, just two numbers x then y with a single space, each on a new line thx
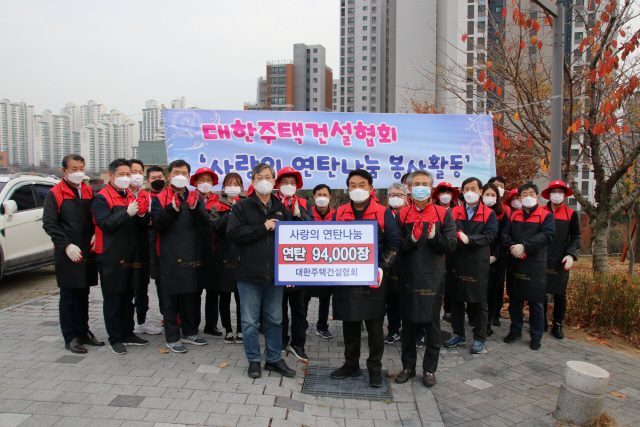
200 171
447 185
513 193
289 171
556 184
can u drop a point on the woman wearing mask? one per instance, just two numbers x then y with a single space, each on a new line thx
498 260
513 201
204 179
224 255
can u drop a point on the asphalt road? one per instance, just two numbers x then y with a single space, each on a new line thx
21 287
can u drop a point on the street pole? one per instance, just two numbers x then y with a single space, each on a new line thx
557 85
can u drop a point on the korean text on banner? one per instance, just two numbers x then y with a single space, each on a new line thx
326 253
325 147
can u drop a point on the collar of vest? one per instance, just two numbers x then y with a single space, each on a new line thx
373 211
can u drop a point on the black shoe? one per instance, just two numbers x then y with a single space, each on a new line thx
428 379
346 371
134 340
75 346
495 322
254 370
535 344
511 338
212 330
446 317
375 379
298 352
118 348
280 367
489 330
91 339
557 331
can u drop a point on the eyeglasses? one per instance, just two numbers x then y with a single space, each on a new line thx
176 173
401 195
259 178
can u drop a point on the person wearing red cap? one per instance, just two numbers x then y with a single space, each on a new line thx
204 179
513 200
563 250
179 215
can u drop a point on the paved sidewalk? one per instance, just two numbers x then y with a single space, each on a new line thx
41 384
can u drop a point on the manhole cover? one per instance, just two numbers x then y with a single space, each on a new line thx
319 383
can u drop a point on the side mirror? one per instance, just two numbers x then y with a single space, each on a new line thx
10 207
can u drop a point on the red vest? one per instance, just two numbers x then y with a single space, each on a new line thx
536 216
113 199
482 214
302 202
63 190
374 211
431 213
327 217
563 213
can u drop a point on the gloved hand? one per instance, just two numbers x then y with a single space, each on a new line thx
143 205
176 202
568 262
380 274
74 253
517 250
93 244
492 259
192 199
463 237
132 209
432 230
296 209
416 233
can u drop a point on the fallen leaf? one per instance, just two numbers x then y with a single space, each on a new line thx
162 350
223 365
390 375
618 395
308 373
576 327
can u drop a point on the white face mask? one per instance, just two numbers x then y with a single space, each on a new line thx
516 204
122 182
179 181
396 202
322 201
489 201
136 180
288 190
445 199
501 191
76 177
471 197
557 198
264 187
359 195
232 191
205 187
529 202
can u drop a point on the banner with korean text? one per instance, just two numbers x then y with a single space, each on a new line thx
326 253
325 147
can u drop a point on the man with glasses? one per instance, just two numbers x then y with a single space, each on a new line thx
251 228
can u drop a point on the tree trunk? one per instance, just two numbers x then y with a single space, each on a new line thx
636 238
600 260
629 238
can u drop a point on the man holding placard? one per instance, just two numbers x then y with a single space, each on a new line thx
354 304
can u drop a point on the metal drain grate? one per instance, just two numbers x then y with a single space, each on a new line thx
319 383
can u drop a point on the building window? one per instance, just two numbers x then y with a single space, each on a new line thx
364 98
498 9
350 30
351 10
364 38
351 59
365 18
349 98
335 107
350 50
364 88
335 99
365 7
374 39
364 78
585 188
351 20
282 80
350 89
364 68
315 60
373 9
364 28
349 69
350 79
315 70
374 78
373 109
315 100
374 29
373 88
315 50
315 109
578 37
373 99
350 109
350 40
274 80
585 172
364 58
315 90
315 80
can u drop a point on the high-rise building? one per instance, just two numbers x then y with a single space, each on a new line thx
178 104
16 131
52 139
334 93
301 84
151 121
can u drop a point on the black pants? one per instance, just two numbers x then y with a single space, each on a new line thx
352 334
494 303
393 313
447 302
141 302
159 293
295 300
188 307
225 311
323 312
431 345
74 313
211 309
536 318
477 311
559 308
118 312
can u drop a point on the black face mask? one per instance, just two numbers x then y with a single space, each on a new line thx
158 184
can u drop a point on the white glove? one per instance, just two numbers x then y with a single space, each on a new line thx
463 237
74 253
175 205
492 259
432 233
517 250
93 243
568 262
132 209
296 209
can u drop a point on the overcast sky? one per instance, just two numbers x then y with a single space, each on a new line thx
123 53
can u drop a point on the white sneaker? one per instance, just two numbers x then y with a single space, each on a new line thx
147 328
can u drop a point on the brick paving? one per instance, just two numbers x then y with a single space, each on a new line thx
41 384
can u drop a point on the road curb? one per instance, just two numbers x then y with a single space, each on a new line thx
30 301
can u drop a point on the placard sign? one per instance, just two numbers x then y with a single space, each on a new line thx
326 253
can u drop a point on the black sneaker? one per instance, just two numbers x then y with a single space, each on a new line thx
557 331
535 344
229 338
346 371
239 338
324 334
446 317
496 322
118 348
134 340
280 367
391 338
298 352
375 379
489 330
212 330
254 370
419 342
511 338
